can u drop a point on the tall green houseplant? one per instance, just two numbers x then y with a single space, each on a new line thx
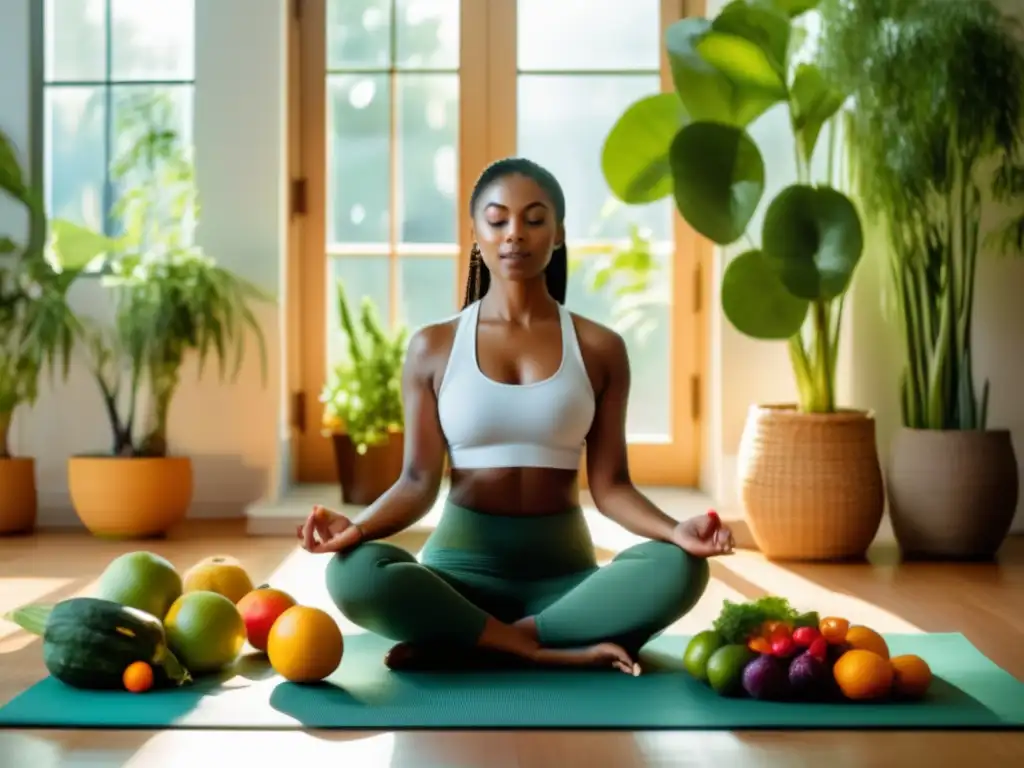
695 145
789 282
933 145
936 132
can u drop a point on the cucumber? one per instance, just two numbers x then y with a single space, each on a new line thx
88 642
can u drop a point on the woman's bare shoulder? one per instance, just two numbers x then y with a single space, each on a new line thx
430 346
598 341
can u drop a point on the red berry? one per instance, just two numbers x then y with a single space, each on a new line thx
783 646
819 648
713 515
804 636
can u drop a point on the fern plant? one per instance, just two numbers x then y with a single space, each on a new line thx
363 394
935 132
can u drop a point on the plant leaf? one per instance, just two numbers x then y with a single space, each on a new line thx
813 101
794 8
756 302
765 27
635 156
707 92
719 179
813 239
76 246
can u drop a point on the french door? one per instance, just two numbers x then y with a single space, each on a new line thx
396 108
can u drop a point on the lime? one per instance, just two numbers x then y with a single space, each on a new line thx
725 668
699 650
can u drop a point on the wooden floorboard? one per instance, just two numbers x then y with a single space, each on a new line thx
983 601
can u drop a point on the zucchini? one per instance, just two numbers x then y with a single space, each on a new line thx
88 642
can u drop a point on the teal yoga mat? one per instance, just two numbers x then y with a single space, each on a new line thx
969 692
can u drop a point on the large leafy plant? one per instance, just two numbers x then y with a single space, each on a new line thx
937 120
37 326
171 300
695 145
363 394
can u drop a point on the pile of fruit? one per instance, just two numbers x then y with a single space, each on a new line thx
766 650
147 626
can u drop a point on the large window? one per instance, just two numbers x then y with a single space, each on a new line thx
402 105
99 56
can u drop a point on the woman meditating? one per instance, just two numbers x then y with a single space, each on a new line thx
511 390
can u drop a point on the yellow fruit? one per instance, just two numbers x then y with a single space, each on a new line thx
833 629
863 675
864 639
138 677
305 645
221 574
911 676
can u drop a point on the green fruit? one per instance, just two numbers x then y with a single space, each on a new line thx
699 650
88 642
205 630
725 668
141 580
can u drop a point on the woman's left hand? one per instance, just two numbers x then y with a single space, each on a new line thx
704 536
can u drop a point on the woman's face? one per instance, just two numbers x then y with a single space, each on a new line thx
516 228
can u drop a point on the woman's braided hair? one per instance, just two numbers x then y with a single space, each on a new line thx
557 272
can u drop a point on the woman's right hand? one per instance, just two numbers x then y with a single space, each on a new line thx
325 531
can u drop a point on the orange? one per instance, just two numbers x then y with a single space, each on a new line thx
911 676
305 645
833 629
863 675
138 677
858 637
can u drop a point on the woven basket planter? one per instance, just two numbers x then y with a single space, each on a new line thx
811 484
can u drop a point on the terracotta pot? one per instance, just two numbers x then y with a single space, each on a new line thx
364 478
952 494
130 497
811 484
18 497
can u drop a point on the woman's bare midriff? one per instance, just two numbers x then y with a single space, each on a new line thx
515 491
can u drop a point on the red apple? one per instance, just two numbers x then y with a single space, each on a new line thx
260 609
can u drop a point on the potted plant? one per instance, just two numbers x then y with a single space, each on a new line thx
809 472
939 147
37 330
171 301
362 401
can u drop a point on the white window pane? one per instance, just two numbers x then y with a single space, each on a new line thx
643 319
563 123
358 34
428 289
428 146
362 277
427 34
76 157
359 159
152 39
75 37
588 34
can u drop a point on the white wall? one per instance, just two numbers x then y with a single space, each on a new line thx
236 433
240 106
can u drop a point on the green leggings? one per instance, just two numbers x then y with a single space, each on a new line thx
509 567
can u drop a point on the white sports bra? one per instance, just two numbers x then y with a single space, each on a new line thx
490 424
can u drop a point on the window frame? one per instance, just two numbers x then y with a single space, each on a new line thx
38 92
673 463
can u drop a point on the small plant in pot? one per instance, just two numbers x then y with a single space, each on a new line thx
362 401
809 473
939 149
170 302
37 330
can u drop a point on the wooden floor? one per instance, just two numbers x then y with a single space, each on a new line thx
982 601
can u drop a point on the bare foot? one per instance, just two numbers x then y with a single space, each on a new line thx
594 656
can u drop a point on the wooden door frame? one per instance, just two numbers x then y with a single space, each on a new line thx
482 137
